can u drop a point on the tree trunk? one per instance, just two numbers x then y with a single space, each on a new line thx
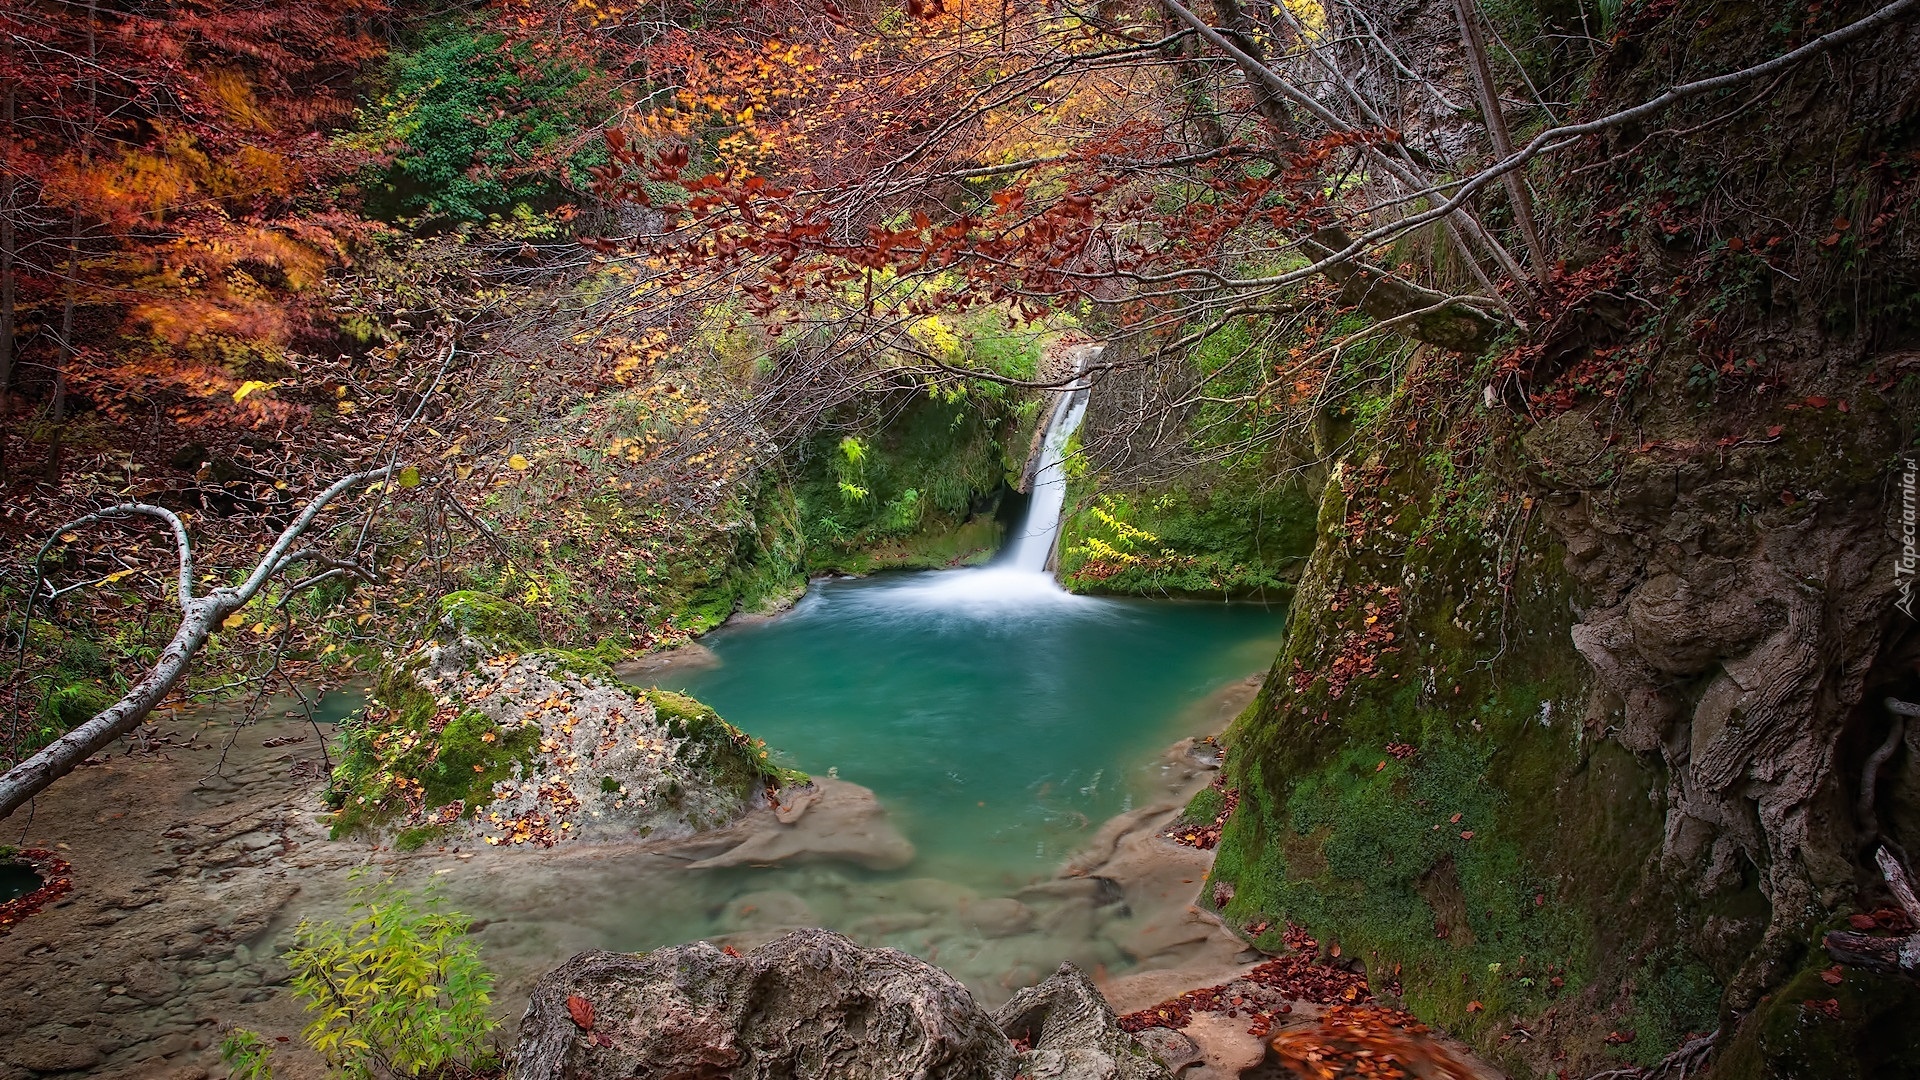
8 208
1496 121
66 753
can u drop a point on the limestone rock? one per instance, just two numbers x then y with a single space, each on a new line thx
842 823
810 1005
1072 1034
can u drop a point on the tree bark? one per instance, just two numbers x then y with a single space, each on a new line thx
1496 121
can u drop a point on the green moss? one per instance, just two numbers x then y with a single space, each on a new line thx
407 751
594 663
735 761
1226 535
1204 807
71 704
1674 996
1427 674
487 617
1794 1035
416 838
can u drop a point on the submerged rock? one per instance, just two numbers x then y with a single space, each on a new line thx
835 821
810 1005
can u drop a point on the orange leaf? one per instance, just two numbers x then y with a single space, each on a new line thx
581 1010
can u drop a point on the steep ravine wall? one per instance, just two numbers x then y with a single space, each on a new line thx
1568 753
1569 736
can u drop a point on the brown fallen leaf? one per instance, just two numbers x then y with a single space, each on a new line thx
581 1010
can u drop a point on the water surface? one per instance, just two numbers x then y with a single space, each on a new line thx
997 717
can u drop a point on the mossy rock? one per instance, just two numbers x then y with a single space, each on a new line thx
487 617
392 751
1861 1028
735 761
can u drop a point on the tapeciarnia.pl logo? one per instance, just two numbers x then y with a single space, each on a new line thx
1903 570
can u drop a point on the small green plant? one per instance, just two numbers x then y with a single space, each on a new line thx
400 992
246 1055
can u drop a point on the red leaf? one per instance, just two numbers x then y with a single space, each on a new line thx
1861 922
581 1010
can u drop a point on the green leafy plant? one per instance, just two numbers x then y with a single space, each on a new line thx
246 1055
400 992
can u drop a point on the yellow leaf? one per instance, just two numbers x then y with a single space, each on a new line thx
409 477
361 620
259 628
234 620
463 472
517 463
249 387
346 406
69 538
116 575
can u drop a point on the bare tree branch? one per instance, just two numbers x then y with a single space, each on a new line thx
200 616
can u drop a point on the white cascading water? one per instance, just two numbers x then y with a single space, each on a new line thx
1018 581
1032 544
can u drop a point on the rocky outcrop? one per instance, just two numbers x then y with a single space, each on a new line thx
479 736
811 1005
1072 1034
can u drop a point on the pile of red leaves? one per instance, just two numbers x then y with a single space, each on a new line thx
1365 1041
53 870
1892 920
1264 993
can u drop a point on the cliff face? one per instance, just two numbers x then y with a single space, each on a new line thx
1573 732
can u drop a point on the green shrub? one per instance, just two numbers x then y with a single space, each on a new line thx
470 115
400 992
246 1055
66 707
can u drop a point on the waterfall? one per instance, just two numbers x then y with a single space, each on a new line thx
1032 544
1017 583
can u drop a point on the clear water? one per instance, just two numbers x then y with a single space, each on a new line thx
17 880
998 718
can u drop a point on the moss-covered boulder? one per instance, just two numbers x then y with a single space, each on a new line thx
482 738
